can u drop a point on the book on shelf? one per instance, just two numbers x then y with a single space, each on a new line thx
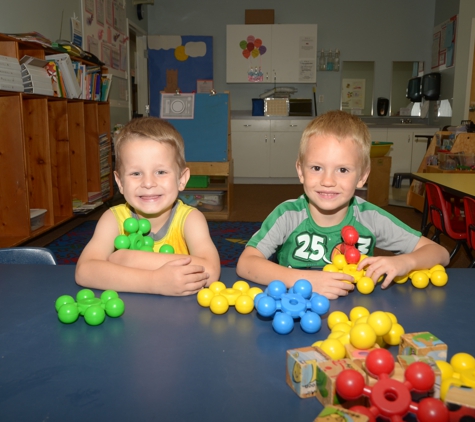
53 73
93 196
34 37
106 82
10 74
67 74
35 77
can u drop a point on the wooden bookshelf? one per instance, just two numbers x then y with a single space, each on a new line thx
49 153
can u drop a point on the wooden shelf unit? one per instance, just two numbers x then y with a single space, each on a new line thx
49 153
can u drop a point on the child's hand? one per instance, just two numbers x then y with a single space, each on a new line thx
179 278
392 266
330 285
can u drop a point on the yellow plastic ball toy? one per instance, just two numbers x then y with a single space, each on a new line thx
204 297
437 267
362 336
339 261
344 339
365 285
219 305
446 370
241 285
392 317
217 286
439 278
393 338
462 361
358 312
420 280
331 268
336 334
254 291
351 270
380 323
362 320
231 295
342 326
335 317
317 343
244 304
400 279
333 348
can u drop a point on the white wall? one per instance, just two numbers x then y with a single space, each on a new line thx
381 31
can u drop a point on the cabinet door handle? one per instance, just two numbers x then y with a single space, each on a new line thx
266 139
247 125
293 125
408 138
274 139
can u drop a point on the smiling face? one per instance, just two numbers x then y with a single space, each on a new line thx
330 171
150 178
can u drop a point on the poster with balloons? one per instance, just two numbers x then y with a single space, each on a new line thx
252 49
187 58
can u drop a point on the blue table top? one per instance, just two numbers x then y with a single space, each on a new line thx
169 359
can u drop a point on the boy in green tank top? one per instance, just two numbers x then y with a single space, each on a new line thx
333 160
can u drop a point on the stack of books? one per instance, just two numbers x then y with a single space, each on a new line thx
66 81
35 77
10 74
104 153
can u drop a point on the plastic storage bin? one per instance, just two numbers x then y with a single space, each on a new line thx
456 161
203 200
198 182
37 218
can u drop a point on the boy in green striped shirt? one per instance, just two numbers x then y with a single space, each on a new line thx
302 234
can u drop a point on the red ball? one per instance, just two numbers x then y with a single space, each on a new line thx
352 255
379 361
349 235
432 410
421 376
350 384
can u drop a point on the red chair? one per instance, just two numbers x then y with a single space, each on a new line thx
469 205
447 218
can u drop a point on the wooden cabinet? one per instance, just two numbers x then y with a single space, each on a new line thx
283 53
49 154
264 148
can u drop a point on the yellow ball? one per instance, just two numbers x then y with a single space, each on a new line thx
333 348
362 336
217 286
204 297
380 341
331 268
392 317
362 256
254 291
437 267
344 338
335 317
358 312
244 304
241 285
467 377
393 338
462 361
362 320
339 261
439 278
420 280
219 305
317 343
446 370
336 334
380 323
400 279
365 285
342 326
350 269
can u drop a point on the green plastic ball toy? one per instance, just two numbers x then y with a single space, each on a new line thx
131 225
68 313
122 242
84 294
167 249
115 307
144 226
108 294
146 248
148 241
63 300
95 315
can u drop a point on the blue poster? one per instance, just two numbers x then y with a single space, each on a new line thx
185 58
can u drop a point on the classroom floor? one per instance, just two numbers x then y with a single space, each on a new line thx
255 202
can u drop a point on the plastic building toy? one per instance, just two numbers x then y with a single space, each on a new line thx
389 398
137 239
459 372
219 298
93 309
286 306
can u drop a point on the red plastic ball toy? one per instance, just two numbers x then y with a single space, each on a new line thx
350 235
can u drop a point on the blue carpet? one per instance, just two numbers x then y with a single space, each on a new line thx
229 238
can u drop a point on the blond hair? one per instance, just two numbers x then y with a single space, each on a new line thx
150 128
341 125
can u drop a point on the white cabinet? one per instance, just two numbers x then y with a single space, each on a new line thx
266 148
271 53
407 150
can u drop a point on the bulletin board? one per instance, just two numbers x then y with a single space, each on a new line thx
188 58
105 33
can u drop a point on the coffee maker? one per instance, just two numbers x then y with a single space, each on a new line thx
382 106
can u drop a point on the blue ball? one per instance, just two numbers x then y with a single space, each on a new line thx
320 304
283 323
303 288
258 298
311 322
276 289
266 306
